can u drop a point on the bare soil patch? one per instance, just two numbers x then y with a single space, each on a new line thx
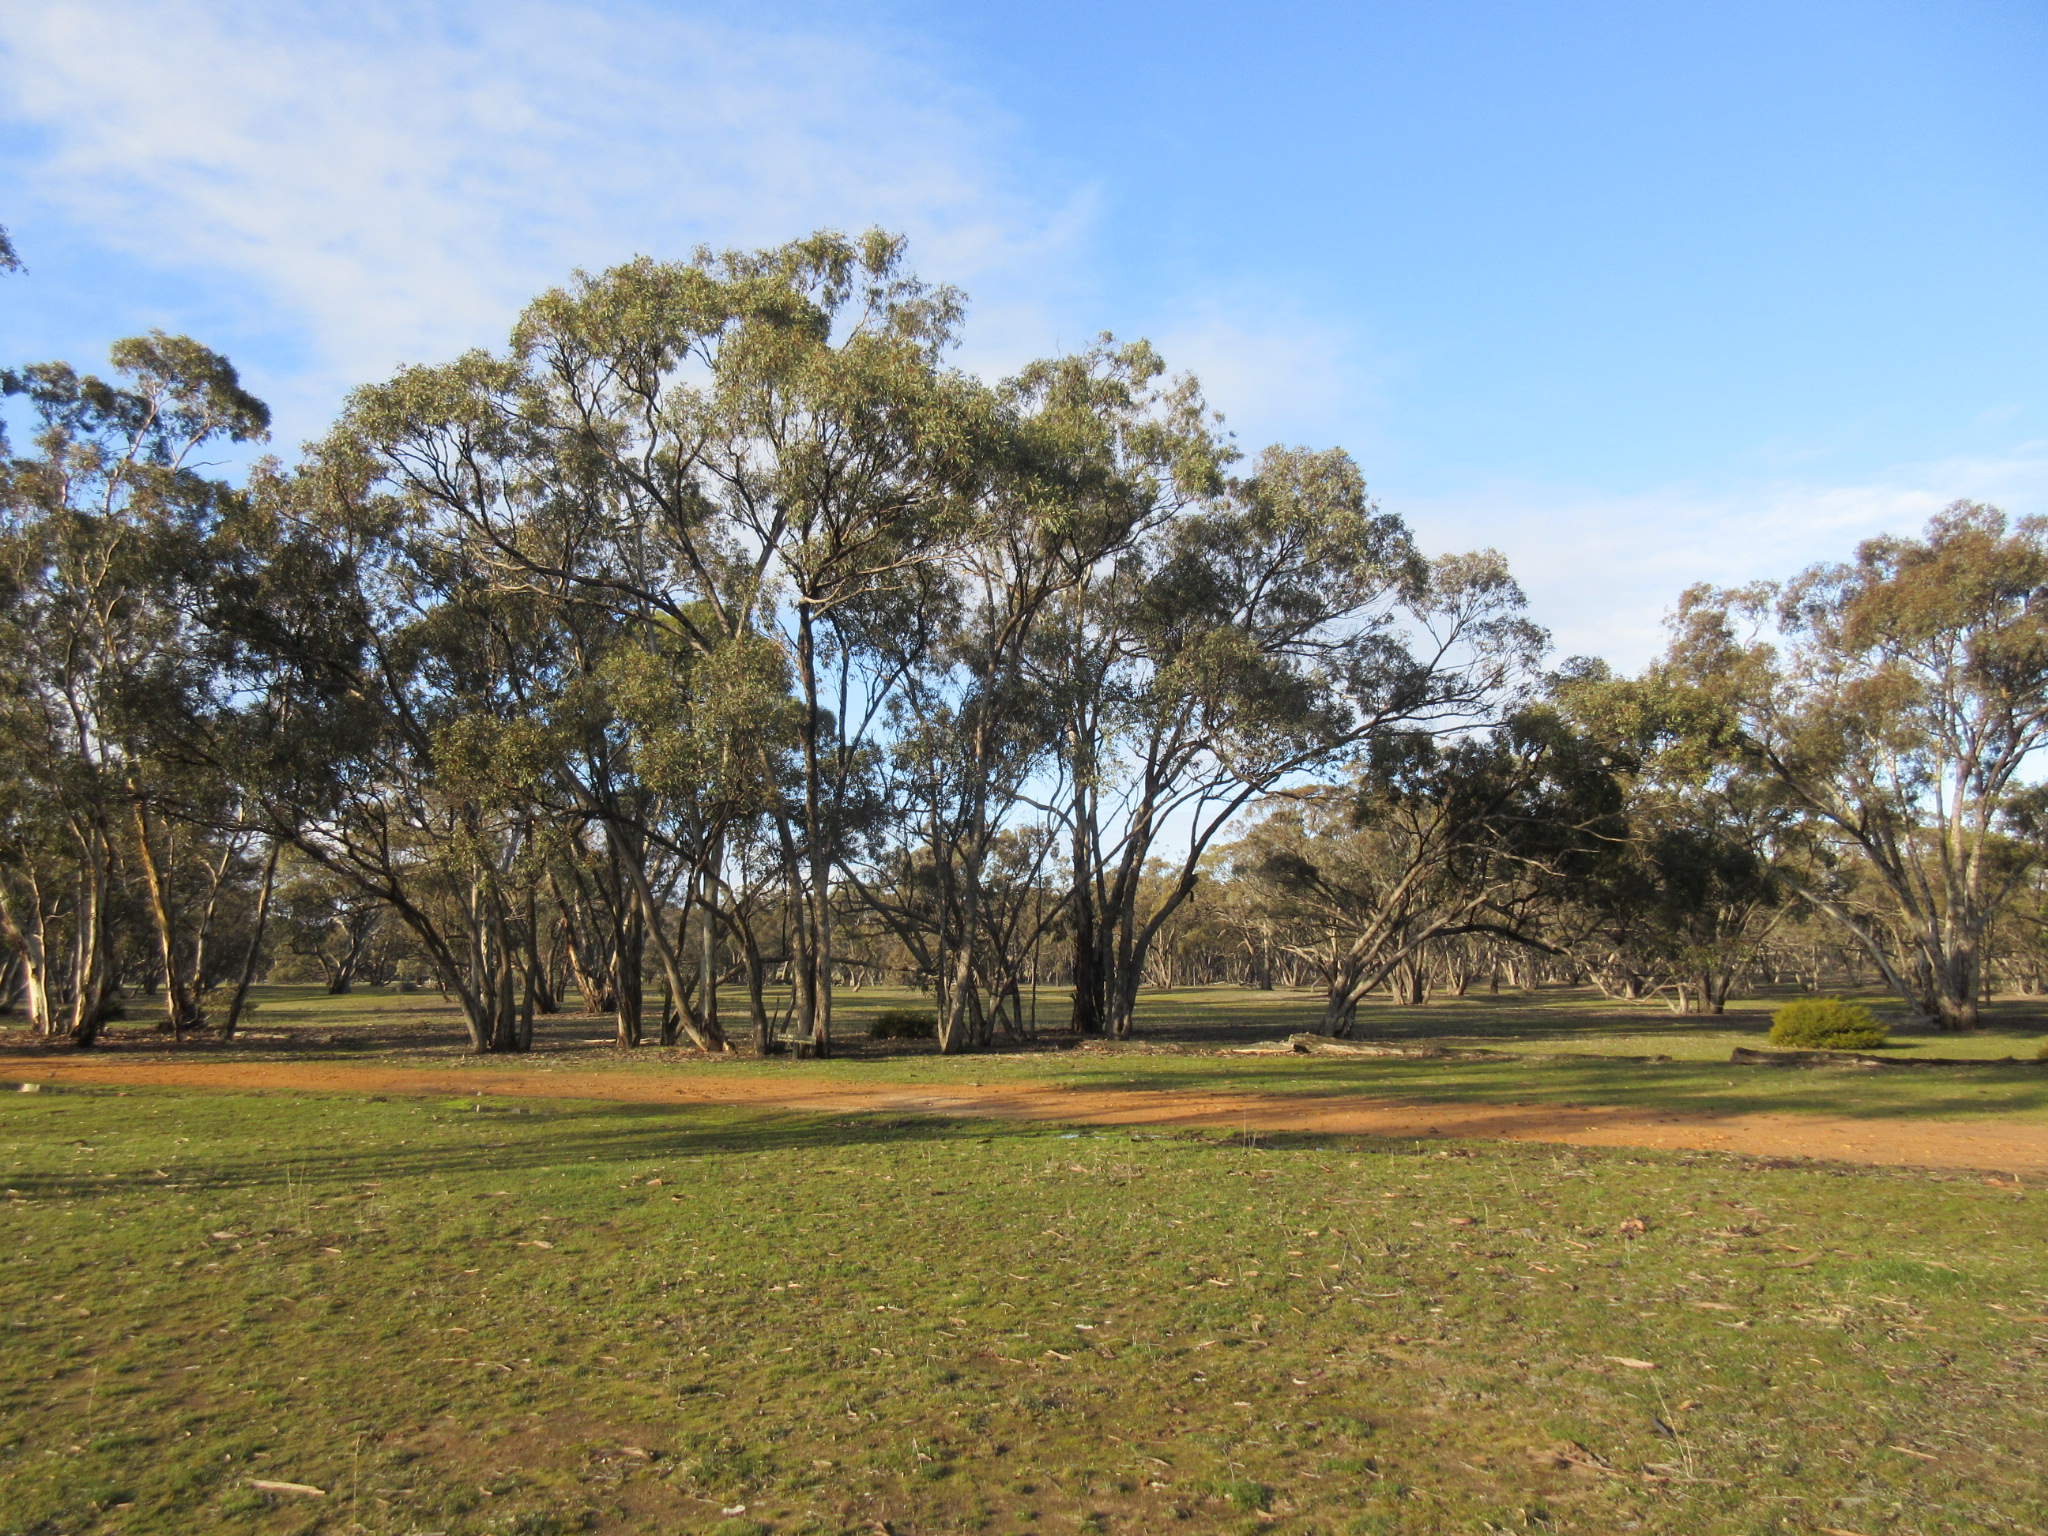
2015 1149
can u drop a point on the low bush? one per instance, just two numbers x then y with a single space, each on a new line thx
1245 1494
903 1024
1827 1024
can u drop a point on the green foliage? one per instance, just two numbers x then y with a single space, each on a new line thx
903 1024
1827 1024
1857 685
1242 1493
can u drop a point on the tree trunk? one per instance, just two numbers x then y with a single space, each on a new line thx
1088 1007
216 877
588 969
247 974
707 960
26 933
90 981
818 958
625 988
672 971
178 1008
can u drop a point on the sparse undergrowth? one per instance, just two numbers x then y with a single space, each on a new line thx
455 1317
1569 1047
903 1024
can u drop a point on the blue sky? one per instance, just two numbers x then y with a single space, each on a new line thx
1641 294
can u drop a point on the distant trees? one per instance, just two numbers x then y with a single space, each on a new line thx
1693 880
1272 633
1484 836
718 643
1895 701
1836 772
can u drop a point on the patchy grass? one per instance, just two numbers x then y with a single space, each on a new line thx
1557 1048
553 1317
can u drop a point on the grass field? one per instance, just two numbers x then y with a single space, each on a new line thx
1555 1019
1557 1048
557 1318
491 1316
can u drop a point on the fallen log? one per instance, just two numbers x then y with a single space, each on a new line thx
1743 1056
1423 1050
1418 1050
1327 1045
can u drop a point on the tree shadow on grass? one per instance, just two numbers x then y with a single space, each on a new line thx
530 1138
524 1138
1713 1088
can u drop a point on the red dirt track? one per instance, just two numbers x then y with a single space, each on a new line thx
2012 1148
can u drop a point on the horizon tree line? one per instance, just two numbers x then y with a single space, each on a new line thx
718 643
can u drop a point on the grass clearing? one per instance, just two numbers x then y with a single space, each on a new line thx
549 1316
1560 1048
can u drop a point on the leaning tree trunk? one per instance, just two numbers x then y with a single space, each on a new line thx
247 974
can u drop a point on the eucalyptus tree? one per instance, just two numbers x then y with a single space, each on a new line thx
707 733
376 701
52 881
498 475
1697 880
1898 700
1091 453
105 543
1266 635
1431 842
329 921
751 447
843 455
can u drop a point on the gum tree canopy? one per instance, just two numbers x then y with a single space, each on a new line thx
719 642
1898 700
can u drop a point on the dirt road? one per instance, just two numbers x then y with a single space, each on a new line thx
2010 1148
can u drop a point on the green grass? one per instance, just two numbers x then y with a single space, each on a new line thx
1555 1018
1554 1044
494 1320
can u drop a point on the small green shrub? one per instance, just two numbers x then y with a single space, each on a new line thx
1244 1494
903 1024
1827 1024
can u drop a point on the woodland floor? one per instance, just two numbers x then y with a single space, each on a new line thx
2017 1149
626 1292
1570 1069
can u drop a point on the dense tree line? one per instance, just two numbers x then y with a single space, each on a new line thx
718 644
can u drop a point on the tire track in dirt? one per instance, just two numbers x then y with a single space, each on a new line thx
1991 1146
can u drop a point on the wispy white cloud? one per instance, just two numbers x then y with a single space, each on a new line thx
390 181
1603 571
1279 375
